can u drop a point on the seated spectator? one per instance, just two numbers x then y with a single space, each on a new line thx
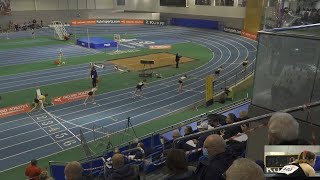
232 131
203 127
140 154
73 171
244 169
178 166
219 159
32 170
188 130
283 129
122 171
178 144
302 167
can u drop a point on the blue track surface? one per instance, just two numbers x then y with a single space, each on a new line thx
28 136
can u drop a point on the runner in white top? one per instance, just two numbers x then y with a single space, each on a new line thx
181 82
91 93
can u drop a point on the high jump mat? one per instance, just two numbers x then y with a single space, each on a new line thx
96 42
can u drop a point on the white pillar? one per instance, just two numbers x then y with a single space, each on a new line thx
35 5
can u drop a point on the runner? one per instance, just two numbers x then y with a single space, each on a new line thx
217 72
39 102
138 91
33 34
91 94
181 82
245 63
94 76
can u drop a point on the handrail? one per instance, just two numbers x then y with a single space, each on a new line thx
254 119
218 110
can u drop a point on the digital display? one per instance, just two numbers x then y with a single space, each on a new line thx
175 3
279 161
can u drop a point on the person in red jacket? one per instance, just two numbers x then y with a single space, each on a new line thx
32 170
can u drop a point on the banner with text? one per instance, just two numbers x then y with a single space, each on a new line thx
160 47
232 30
83 22
108 21
249 35
14 110
155 22
69 98
131 21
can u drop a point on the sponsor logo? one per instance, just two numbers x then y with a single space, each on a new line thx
69 98
83 22
155 22
106 45
249 35
160 47
14 110
108 21
232 30
272 170
83 44
131 21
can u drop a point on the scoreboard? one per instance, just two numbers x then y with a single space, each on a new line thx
274 163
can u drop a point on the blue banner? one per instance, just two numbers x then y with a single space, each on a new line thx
196 23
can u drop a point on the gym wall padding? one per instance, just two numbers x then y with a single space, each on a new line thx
196 23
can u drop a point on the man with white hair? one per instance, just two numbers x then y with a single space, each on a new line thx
244 169
283 129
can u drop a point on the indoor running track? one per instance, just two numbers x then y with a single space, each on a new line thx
24 137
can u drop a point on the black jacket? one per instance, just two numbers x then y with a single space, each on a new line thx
188 175
124 173
214 168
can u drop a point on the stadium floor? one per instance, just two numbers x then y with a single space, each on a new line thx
28 136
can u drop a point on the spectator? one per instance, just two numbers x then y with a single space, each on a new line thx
232 131
283 129
219 159
302 167
73 171
140 154
33 171
122 171
203 127
178 166
178 144
244 169
188 130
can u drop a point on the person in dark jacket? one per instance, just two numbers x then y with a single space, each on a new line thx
232 131
177 60
122 171
177 165
94 76
219 159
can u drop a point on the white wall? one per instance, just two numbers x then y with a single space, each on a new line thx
154 6
38 5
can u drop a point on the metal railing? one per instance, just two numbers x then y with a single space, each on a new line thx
197 118
254 119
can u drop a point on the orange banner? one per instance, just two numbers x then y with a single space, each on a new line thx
249 35
14 110
69 98
131 21
160 47
83 22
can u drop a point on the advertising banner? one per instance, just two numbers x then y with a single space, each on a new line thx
14 110
131 21
155 22
108 21
69 98
83 22
232 30
249 35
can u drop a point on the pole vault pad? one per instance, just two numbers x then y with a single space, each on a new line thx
96 42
